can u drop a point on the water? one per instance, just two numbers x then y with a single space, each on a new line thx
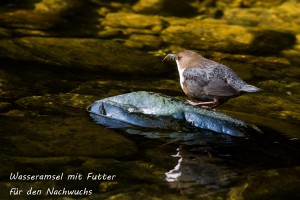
53 135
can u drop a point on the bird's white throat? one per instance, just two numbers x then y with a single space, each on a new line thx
180 70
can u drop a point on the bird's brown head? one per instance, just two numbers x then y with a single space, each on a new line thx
185 59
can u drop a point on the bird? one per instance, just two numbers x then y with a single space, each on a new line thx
207 82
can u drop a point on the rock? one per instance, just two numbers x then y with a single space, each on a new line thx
284 127
164 7
93 54
205 35
284 17
19 113
283 106
110 33
151 110
281 19
4 106
177 21
294 54
246 17
273 184
257 3
64 104
144 41
45 15
57 7
67 18
223 4
27 19
281 86
25 4
148 6
267 62
10 87
270 42
5 32
154 24
216 35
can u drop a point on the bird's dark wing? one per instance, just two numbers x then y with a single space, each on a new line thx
219 87
210 81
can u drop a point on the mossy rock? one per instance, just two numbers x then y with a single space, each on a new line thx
153 110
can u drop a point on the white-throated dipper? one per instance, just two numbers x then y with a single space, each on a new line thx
206 81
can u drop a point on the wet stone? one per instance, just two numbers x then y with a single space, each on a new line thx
57 6
283 86
152 110
294 56
165 7
45 15
111 33
217 35
4 106
154 24
5 32
144 41
273 184
89 54
9 86
27 19
56 104
272 17
284 106
268 62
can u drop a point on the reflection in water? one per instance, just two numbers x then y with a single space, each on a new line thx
203 169
174 174
215 166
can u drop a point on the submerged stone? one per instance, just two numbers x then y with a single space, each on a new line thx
45 136
153 110
63 104
269 184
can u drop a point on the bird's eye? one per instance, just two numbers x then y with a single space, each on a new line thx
178 57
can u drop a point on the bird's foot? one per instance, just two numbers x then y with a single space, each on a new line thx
210 105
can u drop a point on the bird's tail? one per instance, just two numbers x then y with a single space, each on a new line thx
250 88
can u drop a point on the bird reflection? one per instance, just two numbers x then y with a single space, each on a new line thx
197 166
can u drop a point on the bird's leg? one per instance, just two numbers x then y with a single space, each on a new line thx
206 104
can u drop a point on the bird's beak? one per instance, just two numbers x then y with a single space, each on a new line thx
169 57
